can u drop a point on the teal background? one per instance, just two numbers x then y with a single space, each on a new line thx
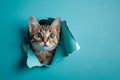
94 23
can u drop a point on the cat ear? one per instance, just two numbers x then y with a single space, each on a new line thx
56 24
33 23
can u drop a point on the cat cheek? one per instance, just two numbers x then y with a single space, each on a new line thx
55 41
49 44
41 43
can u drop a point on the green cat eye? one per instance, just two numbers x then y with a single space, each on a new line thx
38 35
52 35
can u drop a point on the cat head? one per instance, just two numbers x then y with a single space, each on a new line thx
44 37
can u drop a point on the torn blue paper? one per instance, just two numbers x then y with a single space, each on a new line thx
67 45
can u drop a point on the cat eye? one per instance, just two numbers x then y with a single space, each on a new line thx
39 35
52 35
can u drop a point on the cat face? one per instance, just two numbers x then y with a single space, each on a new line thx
44 37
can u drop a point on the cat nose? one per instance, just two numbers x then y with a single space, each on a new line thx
45 44
45 40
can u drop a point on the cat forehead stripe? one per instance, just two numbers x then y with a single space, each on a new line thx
45 27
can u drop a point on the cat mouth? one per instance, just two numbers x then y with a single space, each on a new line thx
45 45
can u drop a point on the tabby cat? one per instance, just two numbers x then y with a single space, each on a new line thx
44 39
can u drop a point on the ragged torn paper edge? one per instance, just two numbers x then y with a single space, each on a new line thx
32 60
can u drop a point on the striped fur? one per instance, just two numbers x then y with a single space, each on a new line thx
44 39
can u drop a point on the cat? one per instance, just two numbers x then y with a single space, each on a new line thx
44 39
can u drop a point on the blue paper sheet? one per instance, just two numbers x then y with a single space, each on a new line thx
66 46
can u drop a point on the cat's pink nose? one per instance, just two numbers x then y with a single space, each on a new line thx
45 40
